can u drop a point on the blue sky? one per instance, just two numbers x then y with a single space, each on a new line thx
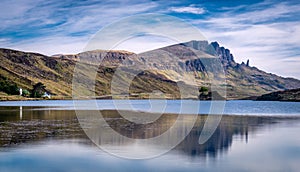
266 32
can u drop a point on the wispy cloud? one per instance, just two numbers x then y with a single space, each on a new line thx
189 9
46 26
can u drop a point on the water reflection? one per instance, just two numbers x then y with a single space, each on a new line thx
21 112
20 125
24 124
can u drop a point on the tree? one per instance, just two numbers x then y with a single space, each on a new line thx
203 89
8 86
38 90
203 93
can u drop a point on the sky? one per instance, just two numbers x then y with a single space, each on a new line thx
265 31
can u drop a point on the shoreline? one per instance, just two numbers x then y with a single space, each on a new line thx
10 99
130 97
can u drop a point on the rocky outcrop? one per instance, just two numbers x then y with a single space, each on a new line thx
224 54
287 95
105 57
195 65
112 57
213 49
199 45
247 64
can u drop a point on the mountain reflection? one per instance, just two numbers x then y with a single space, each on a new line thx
221 140
19 125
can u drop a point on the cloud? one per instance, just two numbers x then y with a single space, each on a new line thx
267 32
64 27
144 32
50 45
189 9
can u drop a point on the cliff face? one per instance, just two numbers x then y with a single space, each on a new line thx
214 49
224 54
111 58
242 80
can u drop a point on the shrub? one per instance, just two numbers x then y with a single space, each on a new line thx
25 93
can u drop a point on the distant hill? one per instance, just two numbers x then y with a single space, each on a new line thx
56 72
287 95
26 69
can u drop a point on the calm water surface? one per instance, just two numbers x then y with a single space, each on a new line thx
49 138
238 107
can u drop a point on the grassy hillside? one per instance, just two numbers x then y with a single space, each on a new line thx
26 69
162 70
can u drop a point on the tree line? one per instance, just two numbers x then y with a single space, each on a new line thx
11 88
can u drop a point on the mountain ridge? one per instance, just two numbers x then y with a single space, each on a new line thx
26 68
